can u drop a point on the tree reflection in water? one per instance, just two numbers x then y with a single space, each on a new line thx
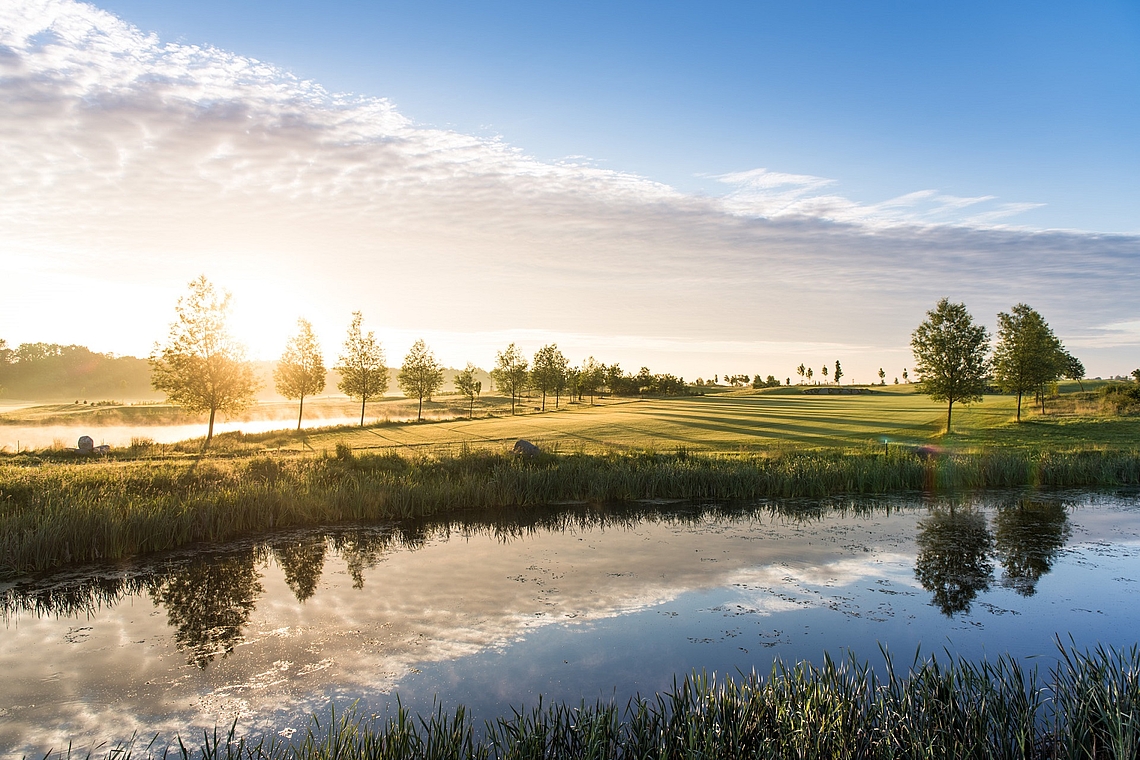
1028 535
208 602
301 560
953 562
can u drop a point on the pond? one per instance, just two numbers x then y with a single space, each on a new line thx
572 603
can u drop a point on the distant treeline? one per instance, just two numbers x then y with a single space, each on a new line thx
52 371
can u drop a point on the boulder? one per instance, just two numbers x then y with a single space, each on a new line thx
86 444
525 448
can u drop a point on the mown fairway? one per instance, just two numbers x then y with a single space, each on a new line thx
749 420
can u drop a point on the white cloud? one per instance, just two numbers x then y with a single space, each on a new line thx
132 165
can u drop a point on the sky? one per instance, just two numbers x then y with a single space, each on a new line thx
699 188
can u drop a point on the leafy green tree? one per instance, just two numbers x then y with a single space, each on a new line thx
548 373
1028 356
593 375
838 372
510 373
1136 375
951 356
420 376
202 367
301 370
466 384
809 371
614 376
882 377
363 373
801 370
824 371
1074 369
574 383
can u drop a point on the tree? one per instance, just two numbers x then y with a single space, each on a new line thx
882 377
824 371
466 384
951 356
1028 356
363 373
301 370
1136 375
201 367
809 370
548 373
906 377
509 374
593 375
1074 369
1028 535
838 372
801 370
420 376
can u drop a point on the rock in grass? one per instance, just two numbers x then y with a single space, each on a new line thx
525 448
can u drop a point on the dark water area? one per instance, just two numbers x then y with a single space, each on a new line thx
571 603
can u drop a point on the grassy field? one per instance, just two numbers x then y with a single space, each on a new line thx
748 420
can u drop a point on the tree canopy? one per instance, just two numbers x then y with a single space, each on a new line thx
510 372
202 367
1028 355
466 384
950 353
421 375
363 374
301 370
548 373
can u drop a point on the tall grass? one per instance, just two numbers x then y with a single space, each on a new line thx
1086 707
52 513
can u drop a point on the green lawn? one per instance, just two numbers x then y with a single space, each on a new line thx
752 420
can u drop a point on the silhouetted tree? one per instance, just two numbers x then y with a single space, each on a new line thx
882 377
823 371
951 354
466 384
906 378
420 376
1028 536
953 561
801 370
201 367
1136 374
301 370
838 372
1027 356
510 373
809 371
363 373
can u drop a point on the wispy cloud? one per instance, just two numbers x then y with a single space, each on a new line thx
131 165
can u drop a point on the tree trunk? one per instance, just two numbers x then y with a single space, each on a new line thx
300 411
471 411
949 412
544 399
363 401
1019 406
420 411
210 429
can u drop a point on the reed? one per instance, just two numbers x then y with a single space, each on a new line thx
58 512
1085 707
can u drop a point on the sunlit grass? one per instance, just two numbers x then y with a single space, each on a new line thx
1088 706
53 513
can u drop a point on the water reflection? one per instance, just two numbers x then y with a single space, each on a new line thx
953 562
1028 535
574 602
208 603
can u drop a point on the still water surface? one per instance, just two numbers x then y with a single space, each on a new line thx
572 603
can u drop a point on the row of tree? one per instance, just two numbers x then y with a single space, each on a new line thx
955 364
203 368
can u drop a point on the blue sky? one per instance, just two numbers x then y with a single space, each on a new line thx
702 189
1035 103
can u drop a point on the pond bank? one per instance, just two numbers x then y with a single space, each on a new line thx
54 513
